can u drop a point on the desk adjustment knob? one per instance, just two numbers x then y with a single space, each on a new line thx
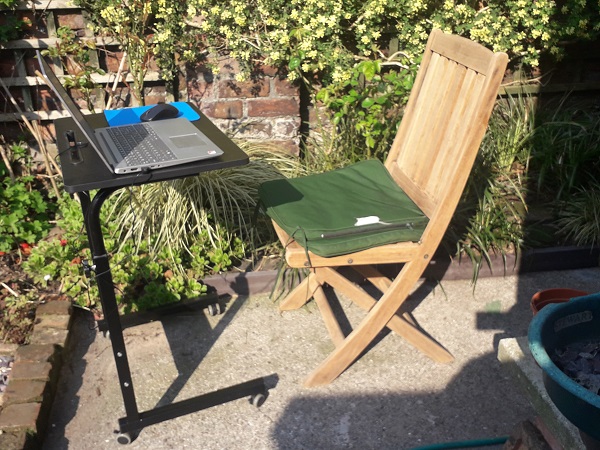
88 268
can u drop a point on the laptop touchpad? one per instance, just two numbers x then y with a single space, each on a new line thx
188 140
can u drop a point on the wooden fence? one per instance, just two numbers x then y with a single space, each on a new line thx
18 65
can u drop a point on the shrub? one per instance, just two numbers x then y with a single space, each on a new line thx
212 211
366 109
327 38
24 210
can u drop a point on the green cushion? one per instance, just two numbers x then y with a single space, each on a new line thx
345 210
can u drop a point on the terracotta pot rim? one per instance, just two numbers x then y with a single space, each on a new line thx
553 295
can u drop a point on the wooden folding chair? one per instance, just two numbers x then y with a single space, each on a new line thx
426 171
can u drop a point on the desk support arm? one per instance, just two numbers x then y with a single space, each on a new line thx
101 267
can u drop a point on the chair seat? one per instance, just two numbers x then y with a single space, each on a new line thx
345 210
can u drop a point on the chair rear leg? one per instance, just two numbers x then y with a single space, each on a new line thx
300 294
331 323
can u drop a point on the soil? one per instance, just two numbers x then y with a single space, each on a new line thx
17 304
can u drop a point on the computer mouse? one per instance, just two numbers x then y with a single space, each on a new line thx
160 112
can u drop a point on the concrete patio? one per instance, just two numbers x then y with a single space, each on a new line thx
392 398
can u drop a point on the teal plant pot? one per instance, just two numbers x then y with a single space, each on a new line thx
558 325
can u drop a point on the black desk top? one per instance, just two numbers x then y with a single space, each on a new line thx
93 174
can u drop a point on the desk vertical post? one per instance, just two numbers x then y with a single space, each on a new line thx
91 216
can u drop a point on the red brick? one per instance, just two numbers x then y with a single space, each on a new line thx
49 336
228 66
262 129
27 370
59 307
288 146
246 89
287 127
20 417
53 321
73 21
284 87
113 60
154 97
198 90
15 440
269 71
24 391
223 110
273 107
7 66
8 349
526 436
37 352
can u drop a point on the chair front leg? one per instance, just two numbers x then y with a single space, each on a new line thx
376 319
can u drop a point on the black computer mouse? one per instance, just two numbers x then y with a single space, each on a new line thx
160 112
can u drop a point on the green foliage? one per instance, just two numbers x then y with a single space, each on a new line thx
366 108
76 54
565 164
566 154
327 38
16 316
142 280
144 29
490 218
579 217
11 26
24 211
208 217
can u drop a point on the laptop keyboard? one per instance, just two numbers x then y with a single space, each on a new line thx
139 144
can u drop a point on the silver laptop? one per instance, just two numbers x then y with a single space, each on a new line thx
141 146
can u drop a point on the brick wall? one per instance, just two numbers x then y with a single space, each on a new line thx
263 109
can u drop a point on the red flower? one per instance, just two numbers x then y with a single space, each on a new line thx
63 242
25 248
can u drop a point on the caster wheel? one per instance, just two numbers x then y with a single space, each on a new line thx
124 439
257 400
214 309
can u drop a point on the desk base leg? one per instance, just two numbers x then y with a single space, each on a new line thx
255 389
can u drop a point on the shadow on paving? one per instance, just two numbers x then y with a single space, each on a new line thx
462 411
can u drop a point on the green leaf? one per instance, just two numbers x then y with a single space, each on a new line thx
367 103
294 63
368 69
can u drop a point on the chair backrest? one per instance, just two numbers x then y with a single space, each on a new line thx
444 121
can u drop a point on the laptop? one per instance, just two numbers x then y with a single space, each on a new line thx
140 146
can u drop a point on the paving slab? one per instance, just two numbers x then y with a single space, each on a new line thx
393 397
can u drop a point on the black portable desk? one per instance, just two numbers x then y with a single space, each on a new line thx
92 174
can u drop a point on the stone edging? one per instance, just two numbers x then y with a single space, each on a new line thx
537 260
28 397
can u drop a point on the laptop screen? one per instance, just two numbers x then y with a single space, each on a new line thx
67 102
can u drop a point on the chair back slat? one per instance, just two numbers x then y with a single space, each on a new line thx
445 119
